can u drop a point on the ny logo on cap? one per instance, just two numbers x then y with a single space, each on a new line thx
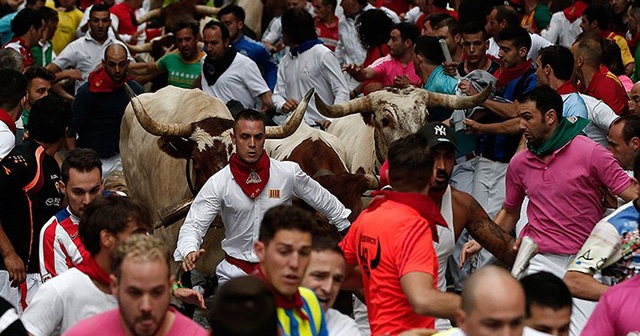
440 130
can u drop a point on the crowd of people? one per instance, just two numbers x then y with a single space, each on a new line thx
550 156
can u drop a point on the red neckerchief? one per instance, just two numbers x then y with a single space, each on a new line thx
296 303
575 11
99 81
424 205
506 75
252 178
566 88
24 51
90 267
6 118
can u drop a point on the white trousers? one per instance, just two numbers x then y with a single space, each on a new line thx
14 294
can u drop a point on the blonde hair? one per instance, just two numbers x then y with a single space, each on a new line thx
142 248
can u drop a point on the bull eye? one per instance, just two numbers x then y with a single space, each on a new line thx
385 122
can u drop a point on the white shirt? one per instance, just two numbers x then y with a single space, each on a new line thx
444 249
242 81
85 19
561 31
273 33
537 42
84 54
339 324
242 215
64 301
600 118
315 68
349 49
7 140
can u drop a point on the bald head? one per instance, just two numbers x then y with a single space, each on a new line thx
116 62
492 302
634 99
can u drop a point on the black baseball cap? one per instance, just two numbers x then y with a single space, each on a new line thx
438 133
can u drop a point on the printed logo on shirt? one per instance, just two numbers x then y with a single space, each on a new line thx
367 263
274 193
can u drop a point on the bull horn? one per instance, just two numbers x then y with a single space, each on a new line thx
354 106
373 181
207 10
293 122
152 14
457 102
139 49
152 126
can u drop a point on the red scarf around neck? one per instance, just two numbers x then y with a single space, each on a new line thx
99 81
6 118
506 75
566 88
90 267
575 11
252 178
295 303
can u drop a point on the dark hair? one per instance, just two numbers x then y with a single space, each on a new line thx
24 20
598 13
332 3
612 58
323 242
560 59
374 28
636 167
80 159
10 59
48 14
111 213
631 128
37 71
474 27
454 26
180 25
31 3
440 3
545 99
517 35
508 14
410 163
49 119
99 8
285 217
429 48
408 31
234 9
13 87
248 114
546 290
223 29
363 3
298 25
435 18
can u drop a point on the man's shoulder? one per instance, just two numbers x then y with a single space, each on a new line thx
183 325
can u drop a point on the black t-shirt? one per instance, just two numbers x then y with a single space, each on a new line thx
30 195
12 325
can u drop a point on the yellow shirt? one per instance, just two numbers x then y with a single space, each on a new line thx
624 48
67 25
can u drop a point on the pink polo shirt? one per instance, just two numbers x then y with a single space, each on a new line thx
387 68
565 202
617 311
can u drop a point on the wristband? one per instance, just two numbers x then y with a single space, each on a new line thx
177 285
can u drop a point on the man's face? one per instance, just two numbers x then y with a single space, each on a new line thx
350 7
284 259
445 159
536 127
632 21
396 45
541 73
297 4
624 152
99 23
37 88
587 25
82 188
493 27
248 136
324 276
143 292
234 25
510 55
50 29
116 64
549 320
187 43
619 6
475 46
214 46
321 10
452 41
634 100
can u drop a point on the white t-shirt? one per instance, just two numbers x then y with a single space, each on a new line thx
537 42
561 31
63 301
339 324
600 118
242 81
7 140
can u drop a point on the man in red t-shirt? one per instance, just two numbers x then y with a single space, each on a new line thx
595 78
128 25
326 22
392 242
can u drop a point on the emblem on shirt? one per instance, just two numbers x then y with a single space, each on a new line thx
367 263
253 177
274 193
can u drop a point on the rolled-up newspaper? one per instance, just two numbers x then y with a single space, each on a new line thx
528 248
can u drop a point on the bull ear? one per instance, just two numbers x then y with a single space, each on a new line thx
176 147
368 118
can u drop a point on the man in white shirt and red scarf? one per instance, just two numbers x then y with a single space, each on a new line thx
242 192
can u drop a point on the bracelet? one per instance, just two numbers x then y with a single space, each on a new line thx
177 285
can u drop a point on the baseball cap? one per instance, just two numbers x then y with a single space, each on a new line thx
438 133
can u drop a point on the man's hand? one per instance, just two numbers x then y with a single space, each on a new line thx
466 87
473 126
15 267
355 71
325 124
189 262
190 296
290 105
374 86
402 81
71 74
450 68
469 249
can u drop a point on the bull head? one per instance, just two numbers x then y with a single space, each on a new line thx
208 141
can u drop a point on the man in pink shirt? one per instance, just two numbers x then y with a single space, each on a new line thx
617 311
395 69
141 282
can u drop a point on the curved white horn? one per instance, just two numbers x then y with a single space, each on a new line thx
152 14
152 126
357 105
457 102
206 10
292 123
